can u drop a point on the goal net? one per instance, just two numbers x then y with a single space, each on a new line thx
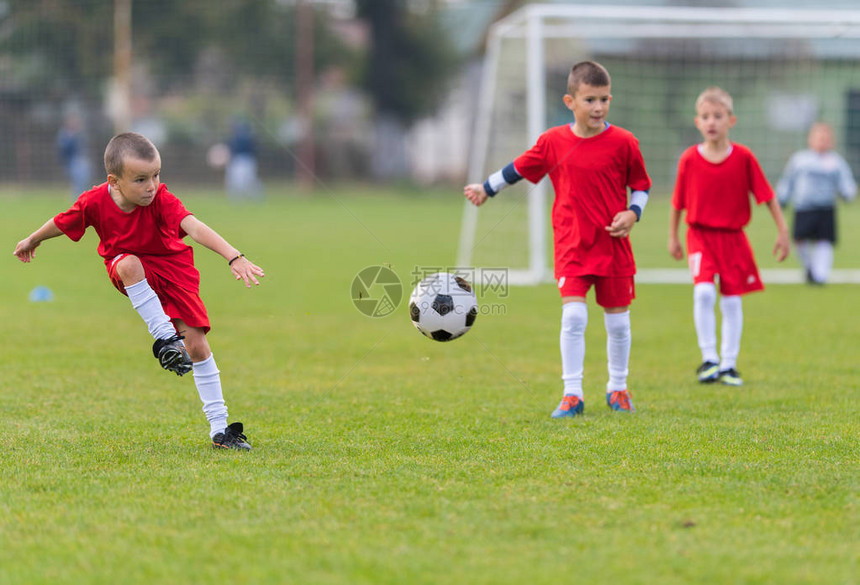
784 68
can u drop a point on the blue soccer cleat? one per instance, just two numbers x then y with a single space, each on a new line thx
620 400
570 406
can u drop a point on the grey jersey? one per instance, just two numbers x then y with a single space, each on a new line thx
813 180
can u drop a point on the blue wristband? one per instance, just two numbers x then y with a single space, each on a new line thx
489 189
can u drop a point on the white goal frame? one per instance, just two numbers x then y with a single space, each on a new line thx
589 22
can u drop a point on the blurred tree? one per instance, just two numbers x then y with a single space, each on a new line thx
410 60
57 44
254 38
53 46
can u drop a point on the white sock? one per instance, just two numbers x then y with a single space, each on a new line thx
207 378
148 306
733 326
617 349
574 319
804 251
704 301
821 260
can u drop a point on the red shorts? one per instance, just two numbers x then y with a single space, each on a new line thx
726 253
610 291
178 302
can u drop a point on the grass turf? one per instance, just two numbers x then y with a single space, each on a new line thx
382 457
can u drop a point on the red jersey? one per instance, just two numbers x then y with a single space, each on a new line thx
717 195
590 177
151 230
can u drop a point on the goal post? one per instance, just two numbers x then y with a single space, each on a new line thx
786 68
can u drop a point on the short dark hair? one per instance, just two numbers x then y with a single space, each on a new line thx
589 73
127 144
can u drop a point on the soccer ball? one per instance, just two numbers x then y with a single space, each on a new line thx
443 306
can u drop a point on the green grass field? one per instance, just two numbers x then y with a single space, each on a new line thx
383 457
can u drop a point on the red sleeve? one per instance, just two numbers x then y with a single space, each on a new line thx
637 176
532 165
759 185
172 211
73 222
679 195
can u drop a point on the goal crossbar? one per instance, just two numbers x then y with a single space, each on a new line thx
537 22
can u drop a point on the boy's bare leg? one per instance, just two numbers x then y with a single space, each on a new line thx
195 341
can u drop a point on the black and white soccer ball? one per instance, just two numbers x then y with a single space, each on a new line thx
443 306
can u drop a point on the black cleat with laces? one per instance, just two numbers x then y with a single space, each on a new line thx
232 438
171 355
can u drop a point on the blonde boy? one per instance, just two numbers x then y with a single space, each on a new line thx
714 182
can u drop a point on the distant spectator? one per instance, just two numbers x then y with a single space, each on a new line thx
72 151
241 174
811 181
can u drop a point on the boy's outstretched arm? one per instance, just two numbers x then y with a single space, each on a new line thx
783 244
504 177
26 248
675 249
241 267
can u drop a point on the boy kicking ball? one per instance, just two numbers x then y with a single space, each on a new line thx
141 226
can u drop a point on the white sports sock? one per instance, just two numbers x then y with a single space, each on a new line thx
148 306
617 349
705 320
821 260
207 378
804 251
732 328
574 319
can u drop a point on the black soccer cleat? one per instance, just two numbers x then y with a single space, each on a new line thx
708 372
731 377
171 355
231 438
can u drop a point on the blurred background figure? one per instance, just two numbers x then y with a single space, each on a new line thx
812 181
72 151
240 176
